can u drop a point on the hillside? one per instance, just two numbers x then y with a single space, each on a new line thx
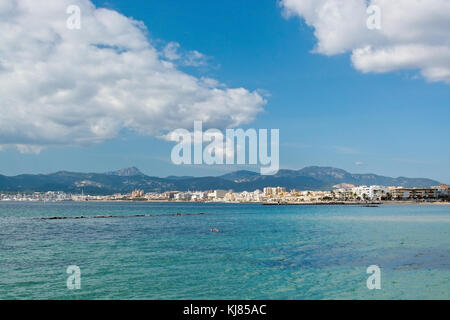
128 179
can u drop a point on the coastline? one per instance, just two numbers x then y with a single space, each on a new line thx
314 203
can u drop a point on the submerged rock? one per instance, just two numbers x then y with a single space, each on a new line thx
125 216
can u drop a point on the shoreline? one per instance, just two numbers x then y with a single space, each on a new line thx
315 203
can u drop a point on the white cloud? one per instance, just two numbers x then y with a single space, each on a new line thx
195 59
78 87
414 34
190 58
171 51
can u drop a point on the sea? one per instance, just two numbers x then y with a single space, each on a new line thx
146 250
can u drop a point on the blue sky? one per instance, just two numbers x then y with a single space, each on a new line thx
328 112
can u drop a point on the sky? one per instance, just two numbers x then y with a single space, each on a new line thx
343 95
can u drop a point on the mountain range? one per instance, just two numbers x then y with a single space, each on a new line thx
128 179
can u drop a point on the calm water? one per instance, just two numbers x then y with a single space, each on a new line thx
262 252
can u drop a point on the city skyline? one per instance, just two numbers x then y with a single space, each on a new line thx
339 195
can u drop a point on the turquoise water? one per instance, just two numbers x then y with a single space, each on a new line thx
261 252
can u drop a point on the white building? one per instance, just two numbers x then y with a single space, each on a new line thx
217 195
442 190
270 191
198 196
371 192
183 196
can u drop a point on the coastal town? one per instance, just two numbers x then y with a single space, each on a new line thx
341 194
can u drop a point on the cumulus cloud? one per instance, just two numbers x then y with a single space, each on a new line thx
191 58
171 51
414 34
78 87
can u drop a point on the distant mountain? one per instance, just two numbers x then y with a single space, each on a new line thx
240 176
126 172
128 179
326 177
179 178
